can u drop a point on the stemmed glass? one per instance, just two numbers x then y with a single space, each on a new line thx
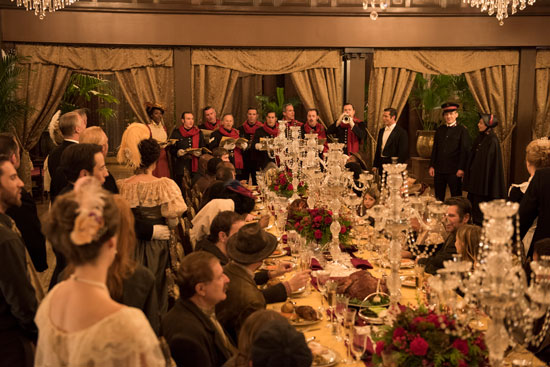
359 341
305 264
342 302
330 289
293 241
349 323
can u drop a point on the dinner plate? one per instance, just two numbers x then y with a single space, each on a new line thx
298 292
323 356
302 322
408 281
278 253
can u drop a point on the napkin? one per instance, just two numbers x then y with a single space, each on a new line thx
315 265
349 249
284 238
361 263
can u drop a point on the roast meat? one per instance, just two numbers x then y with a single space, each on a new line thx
359 285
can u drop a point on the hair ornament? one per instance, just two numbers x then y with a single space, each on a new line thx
89 223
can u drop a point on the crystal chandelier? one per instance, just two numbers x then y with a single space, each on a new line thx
40 6
500 7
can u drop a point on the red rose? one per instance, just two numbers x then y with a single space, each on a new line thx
301 183
318 234
314 212
461 345
343 230
276 187
306 219
462 363
329 212
399 333
282 180
419 347
379 347
296 225
290 187
418 320
318 219
328 220
480 343
289 173
281 175
300 229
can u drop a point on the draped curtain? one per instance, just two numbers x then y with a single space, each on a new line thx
143 73
541 126
388 87
248 86
492 77
216 73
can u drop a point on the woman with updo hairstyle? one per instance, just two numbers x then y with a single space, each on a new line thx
537 155
248 333
155 202
79 323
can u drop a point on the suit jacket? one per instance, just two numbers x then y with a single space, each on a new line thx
193 339
243 298
272 294
397 145
536 203
56 172
444 253
26 219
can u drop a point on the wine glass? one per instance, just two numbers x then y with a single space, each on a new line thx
293 241
359 341
330 289
349 322
340 310
322 277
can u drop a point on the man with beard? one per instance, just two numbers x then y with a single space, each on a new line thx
187 136
226 130
17 297
191 328
269 130
25 215
247 130
349 130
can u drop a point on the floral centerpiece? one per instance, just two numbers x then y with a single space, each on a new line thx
314 225
282 185
423 337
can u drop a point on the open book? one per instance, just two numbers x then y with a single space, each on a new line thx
226 140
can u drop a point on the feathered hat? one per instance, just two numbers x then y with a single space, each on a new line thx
128 152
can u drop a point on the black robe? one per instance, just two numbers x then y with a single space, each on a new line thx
484 174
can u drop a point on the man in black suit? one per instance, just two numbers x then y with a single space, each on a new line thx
449 154
191 328
393 141
25 216
536 203
71 125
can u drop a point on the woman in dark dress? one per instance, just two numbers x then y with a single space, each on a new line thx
484 175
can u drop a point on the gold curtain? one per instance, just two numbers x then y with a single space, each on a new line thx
541 127
213 86
388 87
149 84
42 86
216 73
320 88
95 58
495 91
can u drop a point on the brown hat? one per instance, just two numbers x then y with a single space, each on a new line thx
251 244
360 160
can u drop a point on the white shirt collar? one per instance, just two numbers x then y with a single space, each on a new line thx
391 126
451 125
72 140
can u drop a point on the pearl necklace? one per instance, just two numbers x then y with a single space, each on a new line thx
90 282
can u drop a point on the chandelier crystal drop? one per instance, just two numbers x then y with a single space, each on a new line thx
41 6
500 7
382 5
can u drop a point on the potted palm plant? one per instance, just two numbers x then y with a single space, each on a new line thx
11 107
267 104
428 94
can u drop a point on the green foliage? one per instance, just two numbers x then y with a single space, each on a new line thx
431 91
428 94
266 104
85 86
11 107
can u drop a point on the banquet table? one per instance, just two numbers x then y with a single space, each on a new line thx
323 333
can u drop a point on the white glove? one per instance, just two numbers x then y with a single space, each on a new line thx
160 232
229 146
258 146
244 146
181 152
197 153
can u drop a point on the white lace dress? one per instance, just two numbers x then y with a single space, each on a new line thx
152 202
122 339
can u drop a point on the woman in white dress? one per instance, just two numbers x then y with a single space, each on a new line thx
78 322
